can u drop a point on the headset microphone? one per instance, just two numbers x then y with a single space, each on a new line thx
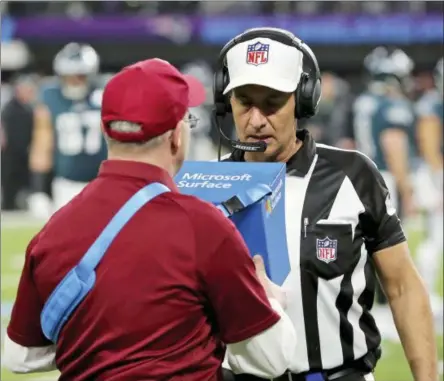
250 147
243 146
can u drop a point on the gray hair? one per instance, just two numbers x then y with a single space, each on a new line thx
123 126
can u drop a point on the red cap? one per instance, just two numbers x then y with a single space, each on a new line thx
152 93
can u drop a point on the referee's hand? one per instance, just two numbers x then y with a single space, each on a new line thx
272 290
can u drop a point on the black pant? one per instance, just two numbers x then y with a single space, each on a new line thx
14 176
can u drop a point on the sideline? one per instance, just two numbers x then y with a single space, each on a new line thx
21 219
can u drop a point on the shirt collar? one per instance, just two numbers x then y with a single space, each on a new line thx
138 170
299 164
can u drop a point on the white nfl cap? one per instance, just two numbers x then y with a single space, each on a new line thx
264 62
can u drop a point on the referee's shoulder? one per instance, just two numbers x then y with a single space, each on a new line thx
352 162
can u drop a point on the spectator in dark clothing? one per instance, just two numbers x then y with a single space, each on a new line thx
17 124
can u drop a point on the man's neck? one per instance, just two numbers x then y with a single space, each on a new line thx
282 157
147 159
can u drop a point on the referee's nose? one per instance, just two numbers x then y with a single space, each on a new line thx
257 119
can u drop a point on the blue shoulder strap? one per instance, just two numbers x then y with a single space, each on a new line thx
244 199
80 280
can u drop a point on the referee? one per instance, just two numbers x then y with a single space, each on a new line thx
341 226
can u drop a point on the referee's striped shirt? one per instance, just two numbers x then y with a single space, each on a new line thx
338 213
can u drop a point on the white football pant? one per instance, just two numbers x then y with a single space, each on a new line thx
429 195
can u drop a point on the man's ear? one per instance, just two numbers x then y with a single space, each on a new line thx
176 137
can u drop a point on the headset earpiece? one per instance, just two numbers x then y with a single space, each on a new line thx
220 82
218 88
308 94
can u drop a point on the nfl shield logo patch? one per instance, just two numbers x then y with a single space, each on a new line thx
326 249
257 54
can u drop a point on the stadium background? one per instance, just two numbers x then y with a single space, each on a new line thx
190 35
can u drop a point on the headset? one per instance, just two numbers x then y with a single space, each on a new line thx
308 92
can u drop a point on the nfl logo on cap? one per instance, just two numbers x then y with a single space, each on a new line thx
257 54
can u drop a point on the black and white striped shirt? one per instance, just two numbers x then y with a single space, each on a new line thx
338 214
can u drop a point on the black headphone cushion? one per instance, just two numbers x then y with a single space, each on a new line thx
221 101
218 86
308 95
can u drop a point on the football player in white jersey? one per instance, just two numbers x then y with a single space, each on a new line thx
67 138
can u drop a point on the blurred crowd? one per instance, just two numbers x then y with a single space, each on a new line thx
88 8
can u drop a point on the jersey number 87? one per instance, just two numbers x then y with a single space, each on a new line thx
79 133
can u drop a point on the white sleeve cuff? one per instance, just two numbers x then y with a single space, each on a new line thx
20 359
269 353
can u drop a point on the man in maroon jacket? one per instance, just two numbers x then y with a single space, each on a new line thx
176 284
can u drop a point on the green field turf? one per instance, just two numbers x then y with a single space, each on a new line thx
392 367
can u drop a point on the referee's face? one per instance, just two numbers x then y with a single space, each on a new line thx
264 114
